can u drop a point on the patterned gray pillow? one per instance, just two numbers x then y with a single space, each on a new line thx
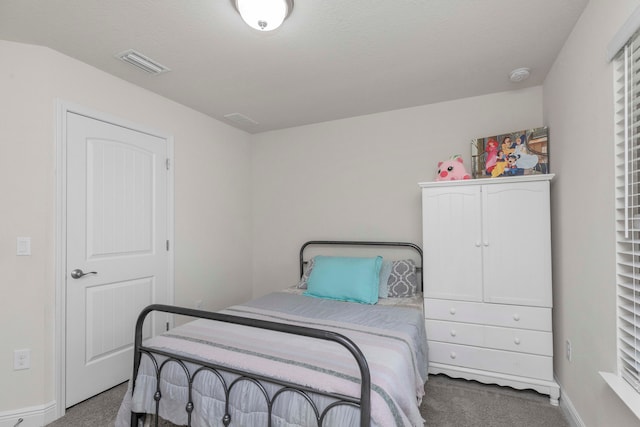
385 272
302 284
403 281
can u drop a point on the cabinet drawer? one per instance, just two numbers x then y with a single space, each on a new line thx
506 362
511 339
512 316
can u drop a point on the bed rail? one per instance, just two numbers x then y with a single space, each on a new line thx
413 246
363 403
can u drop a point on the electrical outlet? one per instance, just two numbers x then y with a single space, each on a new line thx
21 359
569 351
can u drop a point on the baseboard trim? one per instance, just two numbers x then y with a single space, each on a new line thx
32 416
568 409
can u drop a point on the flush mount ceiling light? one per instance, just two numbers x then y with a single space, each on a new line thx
264 15
519 75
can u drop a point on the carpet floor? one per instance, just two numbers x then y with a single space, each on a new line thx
457 403
448 403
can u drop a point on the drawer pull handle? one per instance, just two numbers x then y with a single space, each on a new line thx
452 310
516 317
453 333
517 341
453 355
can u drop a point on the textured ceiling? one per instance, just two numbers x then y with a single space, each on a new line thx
331 59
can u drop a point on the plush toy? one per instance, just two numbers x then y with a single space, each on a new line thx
452 169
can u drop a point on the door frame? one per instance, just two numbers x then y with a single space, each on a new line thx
62 109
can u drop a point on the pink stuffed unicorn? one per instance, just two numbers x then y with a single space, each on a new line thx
452 169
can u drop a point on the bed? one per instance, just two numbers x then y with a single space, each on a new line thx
293 357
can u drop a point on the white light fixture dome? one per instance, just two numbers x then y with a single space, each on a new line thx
264 15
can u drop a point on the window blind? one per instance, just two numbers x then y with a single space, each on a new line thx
627 128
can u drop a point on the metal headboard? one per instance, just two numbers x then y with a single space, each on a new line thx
363 243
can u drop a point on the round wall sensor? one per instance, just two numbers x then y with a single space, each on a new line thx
519 74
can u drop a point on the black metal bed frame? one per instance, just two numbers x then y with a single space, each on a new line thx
363 243
363 402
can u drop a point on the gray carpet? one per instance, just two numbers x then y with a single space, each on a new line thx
448 403
456 403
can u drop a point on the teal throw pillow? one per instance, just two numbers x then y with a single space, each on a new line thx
345 279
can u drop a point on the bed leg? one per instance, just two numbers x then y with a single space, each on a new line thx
136 418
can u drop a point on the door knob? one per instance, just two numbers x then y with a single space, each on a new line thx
77 273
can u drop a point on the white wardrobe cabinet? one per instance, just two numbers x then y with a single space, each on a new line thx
487 276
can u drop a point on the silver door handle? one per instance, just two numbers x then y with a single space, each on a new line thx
77 273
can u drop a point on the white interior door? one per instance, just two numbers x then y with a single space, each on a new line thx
117 252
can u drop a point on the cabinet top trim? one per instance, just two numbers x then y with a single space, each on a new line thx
488 181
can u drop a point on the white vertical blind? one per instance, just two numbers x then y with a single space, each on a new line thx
627 127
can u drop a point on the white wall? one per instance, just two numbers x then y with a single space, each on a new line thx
578 107
358 178
212 215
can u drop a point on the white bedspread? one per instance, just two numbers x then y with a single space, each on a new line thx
391 336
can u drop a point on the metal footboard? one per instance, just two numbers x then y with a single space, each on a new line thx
363 403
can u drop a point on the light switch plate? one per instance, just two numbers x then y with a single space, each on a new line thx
21 359
23 246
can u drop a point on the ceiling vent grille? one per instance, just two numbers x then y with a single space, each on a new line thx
240 119
142 62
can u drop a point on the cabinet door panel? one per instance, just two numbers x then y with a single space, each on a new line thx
517 244
451 241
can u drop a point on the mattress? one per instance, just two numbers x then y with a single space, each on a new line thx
391 335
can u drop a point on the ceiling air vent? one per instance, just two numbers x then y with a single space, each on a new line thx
240 119
142 62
